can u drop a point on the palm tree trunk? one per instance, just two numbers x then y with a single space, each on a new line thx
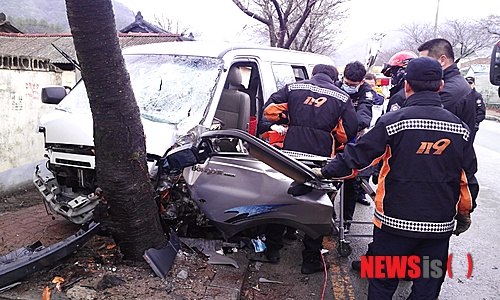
119 139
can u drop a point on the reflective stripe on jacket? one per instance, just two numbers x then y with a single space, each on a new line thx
318 112
428 168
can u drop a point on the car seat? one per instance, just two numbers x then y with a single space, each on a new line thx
234 106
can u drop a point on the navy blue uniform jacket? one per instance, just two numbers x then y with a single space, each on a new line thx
318 112
455 96
362 101
428 168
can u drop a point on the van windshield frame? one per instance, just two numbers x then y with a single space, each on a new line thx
167 88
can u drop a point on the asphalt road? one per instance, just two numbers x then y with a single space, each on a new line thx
482 240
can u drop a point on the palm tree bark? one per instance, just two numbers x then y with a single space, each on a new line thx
121 168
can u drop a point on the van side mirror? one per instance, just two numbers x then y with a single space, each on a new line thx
185 156
495 65
53 94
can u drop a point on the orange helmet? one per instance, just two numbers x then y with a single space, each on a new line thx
400 59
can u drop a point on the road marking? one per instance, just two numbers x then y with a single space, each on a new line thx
339 275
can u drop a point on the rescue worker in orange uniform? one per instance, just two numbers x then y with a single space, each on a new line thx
318 113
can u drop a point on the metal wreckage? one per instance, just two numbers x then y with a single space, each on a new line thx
228 180
205 176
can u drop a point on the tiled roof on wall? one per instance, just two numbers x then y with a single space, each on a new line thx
39 45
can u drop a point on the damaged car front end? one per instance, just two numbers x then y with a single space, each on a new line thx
172 92
204 178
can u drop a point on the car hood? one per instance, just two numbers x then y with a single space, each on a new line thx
62 127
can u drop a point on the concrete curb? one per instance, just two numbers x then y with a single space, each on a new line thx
492 118
17 179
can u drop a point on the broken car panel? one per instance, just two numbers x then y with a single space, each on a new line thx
207 166
30 259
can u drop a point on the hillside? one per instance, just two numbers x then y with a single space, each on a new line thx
54 11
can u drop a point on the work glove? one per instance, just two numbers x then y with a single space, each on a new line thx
463 223
280 129
317 171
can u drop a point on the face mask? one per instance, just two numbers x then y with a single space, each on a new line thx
350 89
398 76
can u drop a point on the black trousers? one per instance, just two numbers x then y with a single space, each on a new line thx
388 244
274 236
352 192
350 198
312 249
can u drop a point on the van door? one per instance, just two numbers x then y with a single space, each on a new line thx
244 183
241 98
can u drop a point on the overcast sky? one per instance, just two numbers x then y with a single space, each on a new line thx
222 20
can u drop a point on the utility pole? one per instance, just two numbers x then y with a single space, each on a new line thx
436 22
374 50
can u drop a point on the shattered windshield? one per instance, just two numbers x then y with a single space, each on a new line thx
168 88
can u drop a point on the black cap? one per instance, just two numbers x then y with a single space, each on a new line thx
470 79
424 69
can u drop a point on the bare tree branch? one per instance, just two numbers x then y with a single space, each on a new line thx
282 22
251 14
305 15
170 25
305 25
416 34
465 36
490 25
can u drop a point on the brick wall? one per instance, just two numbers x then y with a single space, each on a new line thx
20 108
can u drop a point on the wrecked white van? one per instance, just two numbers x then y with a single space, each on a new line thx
207 97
